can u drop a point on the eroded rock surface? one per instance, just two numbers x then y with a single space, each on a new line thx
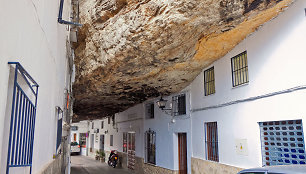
131 50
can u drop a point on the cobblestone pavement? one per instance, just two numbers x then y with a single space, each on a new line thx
86 165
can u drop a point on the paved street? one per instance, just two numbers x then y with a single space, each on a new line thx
85 165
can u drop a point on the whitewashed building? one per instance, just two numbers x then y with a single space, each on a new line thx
245 110
36 65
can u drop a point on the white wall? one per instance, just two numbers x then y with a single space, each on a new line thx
30 35
167 134
276 61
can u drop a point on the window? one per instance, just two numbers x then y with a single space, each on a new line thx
282 142
102 124
74 128
113 120
92 125
150 137
240 69
111 139
23 114
209 81
82 139
59 128
124 142
150 110
179 105
108 120
211 141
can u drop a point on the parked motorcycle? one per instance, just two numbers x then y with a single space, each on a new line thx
113 158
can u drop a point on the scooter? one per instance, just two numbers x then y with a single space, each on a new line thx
113 158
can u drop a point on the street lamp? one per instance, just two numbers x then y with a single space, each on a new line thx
161 103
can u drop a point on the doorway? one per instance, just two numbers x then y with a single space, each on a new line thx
131 151
101 142
91 142
182 152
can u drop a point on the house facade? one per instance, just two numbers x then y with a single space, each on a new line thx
244 110
36 70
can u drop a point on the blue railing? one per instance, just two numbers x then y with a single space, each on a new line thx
22 126
59 128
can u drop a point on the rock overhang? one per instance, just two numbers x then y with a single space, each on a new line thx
131 50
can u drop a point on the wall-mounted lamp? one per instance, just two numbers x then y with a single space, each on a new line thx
161 103
106 132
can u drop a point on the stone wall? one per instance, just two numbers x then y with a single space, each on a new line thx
199 166
152 169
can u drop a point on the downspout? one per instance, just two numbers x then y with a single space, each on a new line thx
60 15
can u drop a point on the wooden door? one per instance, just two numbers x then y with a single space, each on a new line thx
102 142
182 153
131 151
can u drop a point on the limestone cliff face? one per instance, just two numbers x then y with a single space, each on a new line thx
131 50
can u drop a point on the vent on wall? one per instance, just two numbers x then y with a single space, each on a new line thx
282 142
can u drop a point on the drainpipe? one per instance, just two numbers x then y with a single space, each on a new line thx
60 15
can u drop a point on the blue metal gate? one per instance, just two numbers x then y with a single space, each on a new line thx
23 113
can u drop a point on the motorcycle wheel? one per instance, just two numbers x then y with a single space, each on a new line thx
114 165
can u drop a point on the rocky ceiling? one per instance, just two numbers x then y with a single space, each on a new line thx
132 50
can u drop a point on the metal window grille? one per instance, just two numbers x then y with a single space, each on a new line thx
211 141
108 120
22 124
92 125
102 124
111 140
150 110
179 105
240 73
124 142
113 120
282 142
209 81
59 128
150 146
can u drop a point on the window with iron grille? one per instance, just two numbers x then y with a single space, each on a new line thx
209 81
240 73
111 140
59 128
150 110
92 125
108 120
113 120
150 137
211 141
124 142
179 105
102 124
74 128
282 142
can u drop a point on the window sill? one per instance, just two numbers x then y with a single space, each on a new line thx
151 164
204 96
245 84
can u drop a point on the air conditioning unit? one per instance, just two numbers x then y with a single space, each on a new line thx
96 131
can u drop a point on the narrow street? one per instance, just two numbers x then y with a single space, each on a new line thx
86 165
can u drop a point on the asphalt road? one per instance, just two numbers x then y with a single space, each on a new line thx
86 165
